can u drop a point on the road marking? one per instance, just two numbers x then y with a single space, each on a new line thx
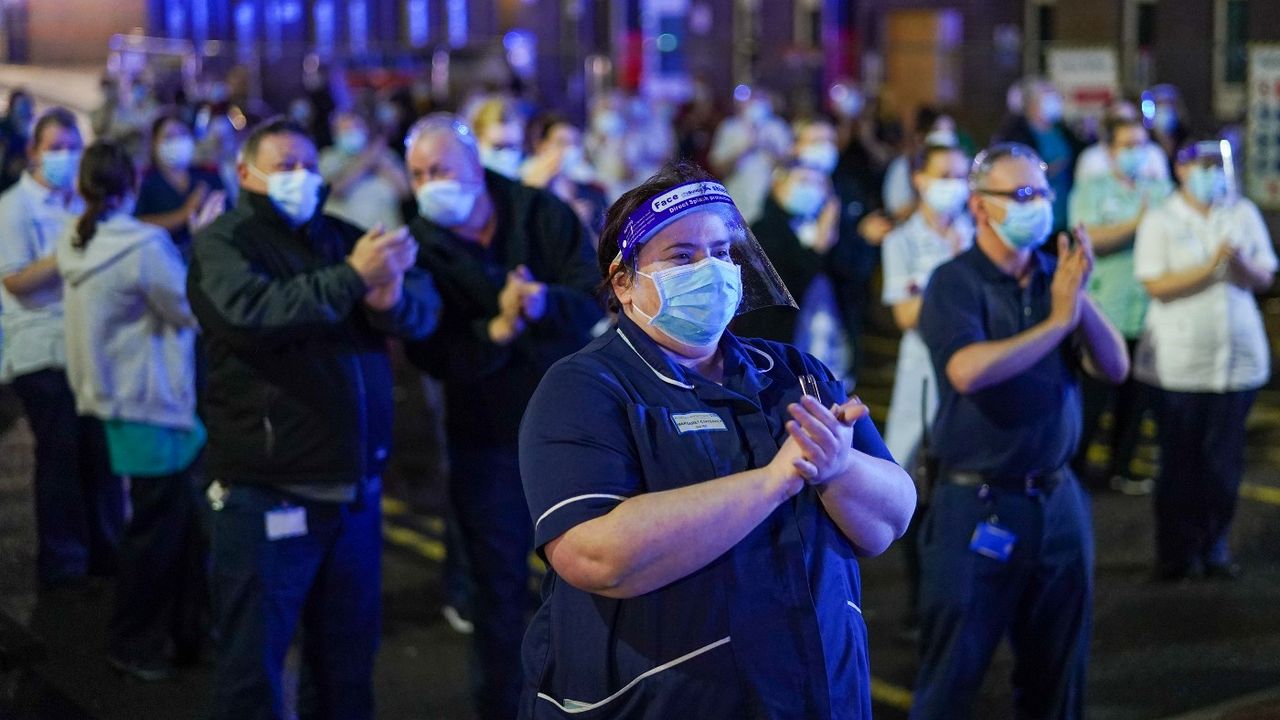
1262 702
1260 493
889 694
402 537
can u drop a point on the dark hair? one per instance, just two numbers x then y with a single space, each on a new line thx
540 127
17 94
615 219
278 125
107 175
926 116
58 116
1115 124
921 159
157 125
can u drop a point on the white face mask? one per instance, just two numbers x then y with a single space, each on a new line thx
176 153
447 203
822 155
947 196
505 161
295 193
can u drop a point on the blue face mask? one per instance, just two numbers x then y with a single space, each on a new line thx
804 199
1207 184
1130 161
1026 225
696 302
59 167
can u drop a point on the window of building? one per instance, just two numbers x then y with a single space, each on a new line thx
1230 57
1041 21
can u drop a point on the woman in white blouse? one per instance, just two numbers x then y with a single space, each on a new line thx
1201 255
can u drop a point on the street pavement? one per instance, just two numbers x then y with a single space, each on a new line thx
1196 651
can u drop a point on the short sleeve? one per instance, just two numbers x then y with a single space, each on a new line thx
1150 248
951 316
896 259
1256 240
1079 205
577 458
898 193
16 248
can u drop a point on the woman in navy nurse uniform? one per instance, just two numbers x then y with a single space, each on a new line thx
699 510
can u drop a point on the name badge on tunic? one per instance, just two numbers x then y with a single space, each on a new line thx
286 522
698 422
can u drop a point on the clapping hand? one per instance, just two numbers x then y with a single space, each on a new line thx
823 437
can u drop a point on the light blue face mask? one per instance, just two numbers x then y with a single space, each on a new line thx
1026 225
1207 185
696 302
59 167
1130 161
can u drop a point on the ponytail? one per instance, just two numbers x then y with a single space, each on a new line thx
107 175
87 224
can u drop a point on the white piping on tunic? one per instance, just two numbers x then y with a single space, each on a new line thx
768 358
576 498
664 378
573 707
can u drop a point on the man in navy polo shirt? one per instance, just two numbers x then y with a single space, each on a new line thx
1007 546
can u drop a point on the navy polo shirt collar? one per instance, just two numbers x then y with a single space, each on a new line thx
1040 265
745 367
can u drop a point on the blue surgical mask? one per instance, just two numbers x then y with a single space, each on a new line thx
1207 184
804 199
1165 119
295 193
1026 225
947 196
1051 108
447 203
177 153
696 302
351 142
1130 161
59 168
822 155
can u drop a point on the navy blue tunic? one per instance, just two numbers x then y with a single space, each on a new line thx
771 629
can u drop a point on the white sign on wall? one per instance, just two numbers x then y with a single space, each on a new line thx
1087 77
1262 141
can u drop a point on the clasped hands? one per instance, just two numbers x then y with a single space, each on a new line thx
522 300
381 257
819 446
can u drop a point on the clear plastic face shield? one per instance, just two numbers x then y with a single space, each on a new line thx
761 285
1210 158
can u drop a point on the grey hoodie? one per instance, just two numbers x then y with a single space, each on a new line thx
130 332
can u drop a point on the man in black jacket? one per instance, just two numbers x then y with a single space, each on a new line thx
295 308
514 267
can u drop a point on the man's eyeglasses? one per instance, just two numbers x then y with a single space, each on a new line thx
1023 194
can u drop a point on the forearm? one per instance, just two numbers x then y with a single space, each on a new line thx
172 220
1251 277
983 364
906 314
654 539
1108 239
872 503
35 277
346 178
1182 283
1106 356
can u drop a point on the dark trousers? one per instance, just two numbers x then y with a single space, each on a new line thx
1127 403
1201 463
489 506
161 591
79 503
329 579
1041 598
